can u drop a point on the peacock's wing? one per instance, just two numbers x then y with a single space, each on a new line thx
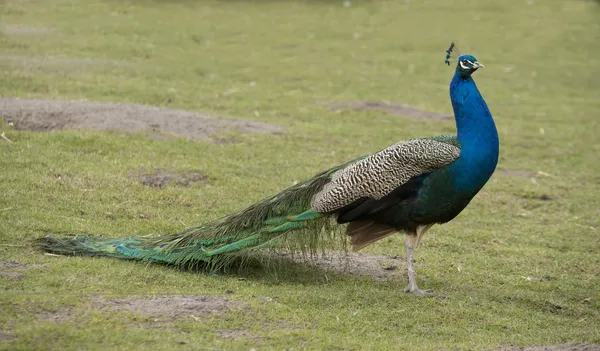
358 192
384 172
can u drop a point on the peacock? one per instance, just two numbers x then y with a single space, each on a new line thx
405 188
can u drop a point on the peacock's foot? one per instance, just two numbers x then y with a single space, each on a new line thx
418 292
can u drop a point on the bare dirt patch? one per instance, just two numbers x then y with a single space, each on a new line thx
168 308
12 270
395 108
234 334
160 178
49 115
5 336
378 267
160 309
62 64
19 30
562 347
57 316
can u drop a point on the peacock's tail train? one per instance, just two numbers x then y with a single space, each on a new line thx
285 220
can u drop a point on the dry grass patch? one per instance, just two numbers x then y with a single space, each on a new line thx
394 108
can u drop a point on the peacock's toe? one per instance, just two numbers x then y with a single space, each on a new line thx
419 292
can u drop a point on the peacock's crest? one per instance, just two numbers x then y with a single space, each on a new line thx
467 64
451 52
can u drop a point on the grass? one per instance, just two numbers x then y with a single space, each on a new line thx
519 266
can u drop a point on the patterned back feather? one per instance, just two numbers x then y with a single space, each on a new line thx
379 174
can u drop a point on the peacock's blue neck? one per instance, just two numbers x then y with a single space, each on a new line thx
476 133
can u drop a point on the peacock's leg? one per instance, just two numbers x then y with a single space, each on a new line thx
410 243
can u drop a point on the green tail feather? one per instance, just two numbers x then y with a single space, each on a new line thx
284 220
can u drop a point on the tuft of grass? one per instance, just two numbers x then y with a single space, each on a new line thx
519 266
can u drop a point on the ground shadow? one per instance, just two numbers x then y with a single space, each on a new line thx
272 266
298 268
316 268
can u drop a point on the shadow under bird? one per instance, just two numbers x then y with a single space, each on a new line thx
405 188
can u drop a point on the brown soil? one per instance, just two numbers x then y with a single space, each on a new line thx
168 308
18 30
12 270
234 334
160 178
160 309
5 336
59 316
61 63
395 108
562 347
49 115
378 267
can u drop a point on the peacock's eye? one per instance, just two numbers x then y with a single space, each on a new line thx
464 64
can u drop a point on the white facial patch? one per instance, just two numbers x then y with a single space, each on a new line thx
465 66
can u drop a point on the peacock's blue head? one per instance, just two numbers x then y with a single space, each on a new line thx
467 64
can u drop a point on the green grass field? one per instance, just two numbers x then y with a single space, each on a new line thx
520 266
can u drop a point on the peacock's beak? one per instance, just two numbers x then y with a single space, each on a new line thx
478 65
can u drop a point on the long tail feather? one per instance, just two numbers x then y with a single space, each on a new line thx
284 220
